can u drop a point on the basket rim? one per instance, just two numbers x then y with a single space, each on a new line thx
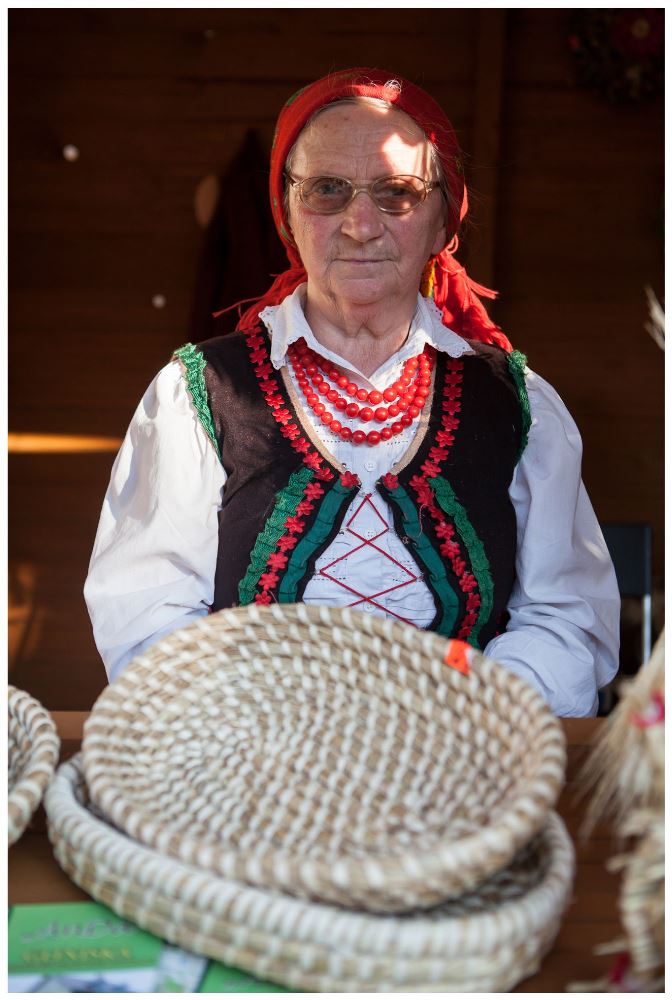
112 852
453 866
25 794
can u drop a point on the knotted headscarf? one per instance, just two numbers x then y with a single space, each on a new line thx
444 279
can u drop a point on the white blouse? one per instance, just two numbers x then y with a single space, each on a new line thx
153 563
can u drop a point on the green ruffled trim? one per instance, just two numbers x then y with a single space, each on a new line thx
194 364
517 363
480 566
323 524
286 502
430 557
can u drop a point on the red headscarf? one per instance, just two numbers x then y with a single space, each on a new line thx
444 279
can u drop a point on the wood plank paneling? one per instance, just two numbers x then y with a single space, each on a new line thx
426 45
580 236
54 505
154 105
486 138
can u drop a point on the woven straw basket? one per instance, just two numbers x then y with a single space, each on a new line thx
326 753
31 758
486 941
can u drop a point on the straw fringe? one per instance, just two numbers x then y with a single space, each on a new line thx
626 769
625 778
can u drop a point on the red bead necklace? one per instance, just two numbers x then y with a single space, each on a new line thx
406 396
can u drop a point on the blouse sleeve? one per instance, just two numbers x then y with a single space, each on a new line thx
563 632
153 563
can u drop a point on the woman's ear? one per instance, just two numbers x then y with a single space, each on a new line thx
440 241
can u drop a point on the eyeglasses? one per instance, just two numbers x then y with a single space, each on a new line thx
396 194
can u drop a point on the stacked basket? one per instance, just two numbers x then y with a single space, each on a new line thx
328 799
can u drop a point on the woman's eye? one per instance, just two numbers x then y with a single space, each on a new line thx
326 186
396 190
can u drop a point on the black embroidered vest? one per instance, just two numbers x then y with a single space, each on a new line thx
284 501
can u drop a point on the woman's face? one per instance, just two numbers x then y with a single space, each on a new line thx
362 256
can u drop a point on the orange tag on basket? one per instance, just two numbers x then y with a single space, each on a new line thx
456 656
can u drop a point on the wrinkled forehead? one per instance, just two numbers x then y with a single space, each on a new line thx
363 137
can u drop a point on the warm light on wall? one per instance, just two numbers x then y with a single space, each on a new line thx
26 616
43 443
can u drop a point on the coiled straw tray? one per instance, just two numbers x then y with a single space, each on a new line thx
326 753
486 941
33 748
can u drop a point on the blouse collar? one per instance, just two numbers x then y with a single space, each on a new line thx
286 323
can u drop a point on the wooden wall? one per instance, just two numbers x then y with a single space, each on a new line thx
568 223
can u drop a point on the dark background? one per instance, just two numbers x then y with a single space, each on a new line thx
567 211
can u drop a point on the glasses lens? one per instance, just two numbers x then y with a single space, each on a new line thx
398 194
326 194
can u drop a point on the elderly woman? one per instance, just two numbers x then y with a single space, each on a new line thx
367 436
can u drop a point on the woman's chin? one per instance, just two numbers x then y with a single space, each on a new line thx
362 289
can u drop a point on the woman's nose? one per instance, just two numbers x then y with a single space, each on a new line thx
362 219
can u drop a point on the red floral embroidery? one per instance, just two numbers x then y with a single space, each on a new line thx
459 566
269 386
423 489
268 580
282 416
430 469
438 453
313 491
312 460
263 370
390 481
290 431
450 549
469 622
451 406
287 542
349 479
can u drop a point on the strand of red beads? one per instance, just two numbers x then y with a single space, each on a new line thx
406 396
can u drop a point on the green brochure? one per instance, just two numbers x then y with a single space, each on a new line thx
86 948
